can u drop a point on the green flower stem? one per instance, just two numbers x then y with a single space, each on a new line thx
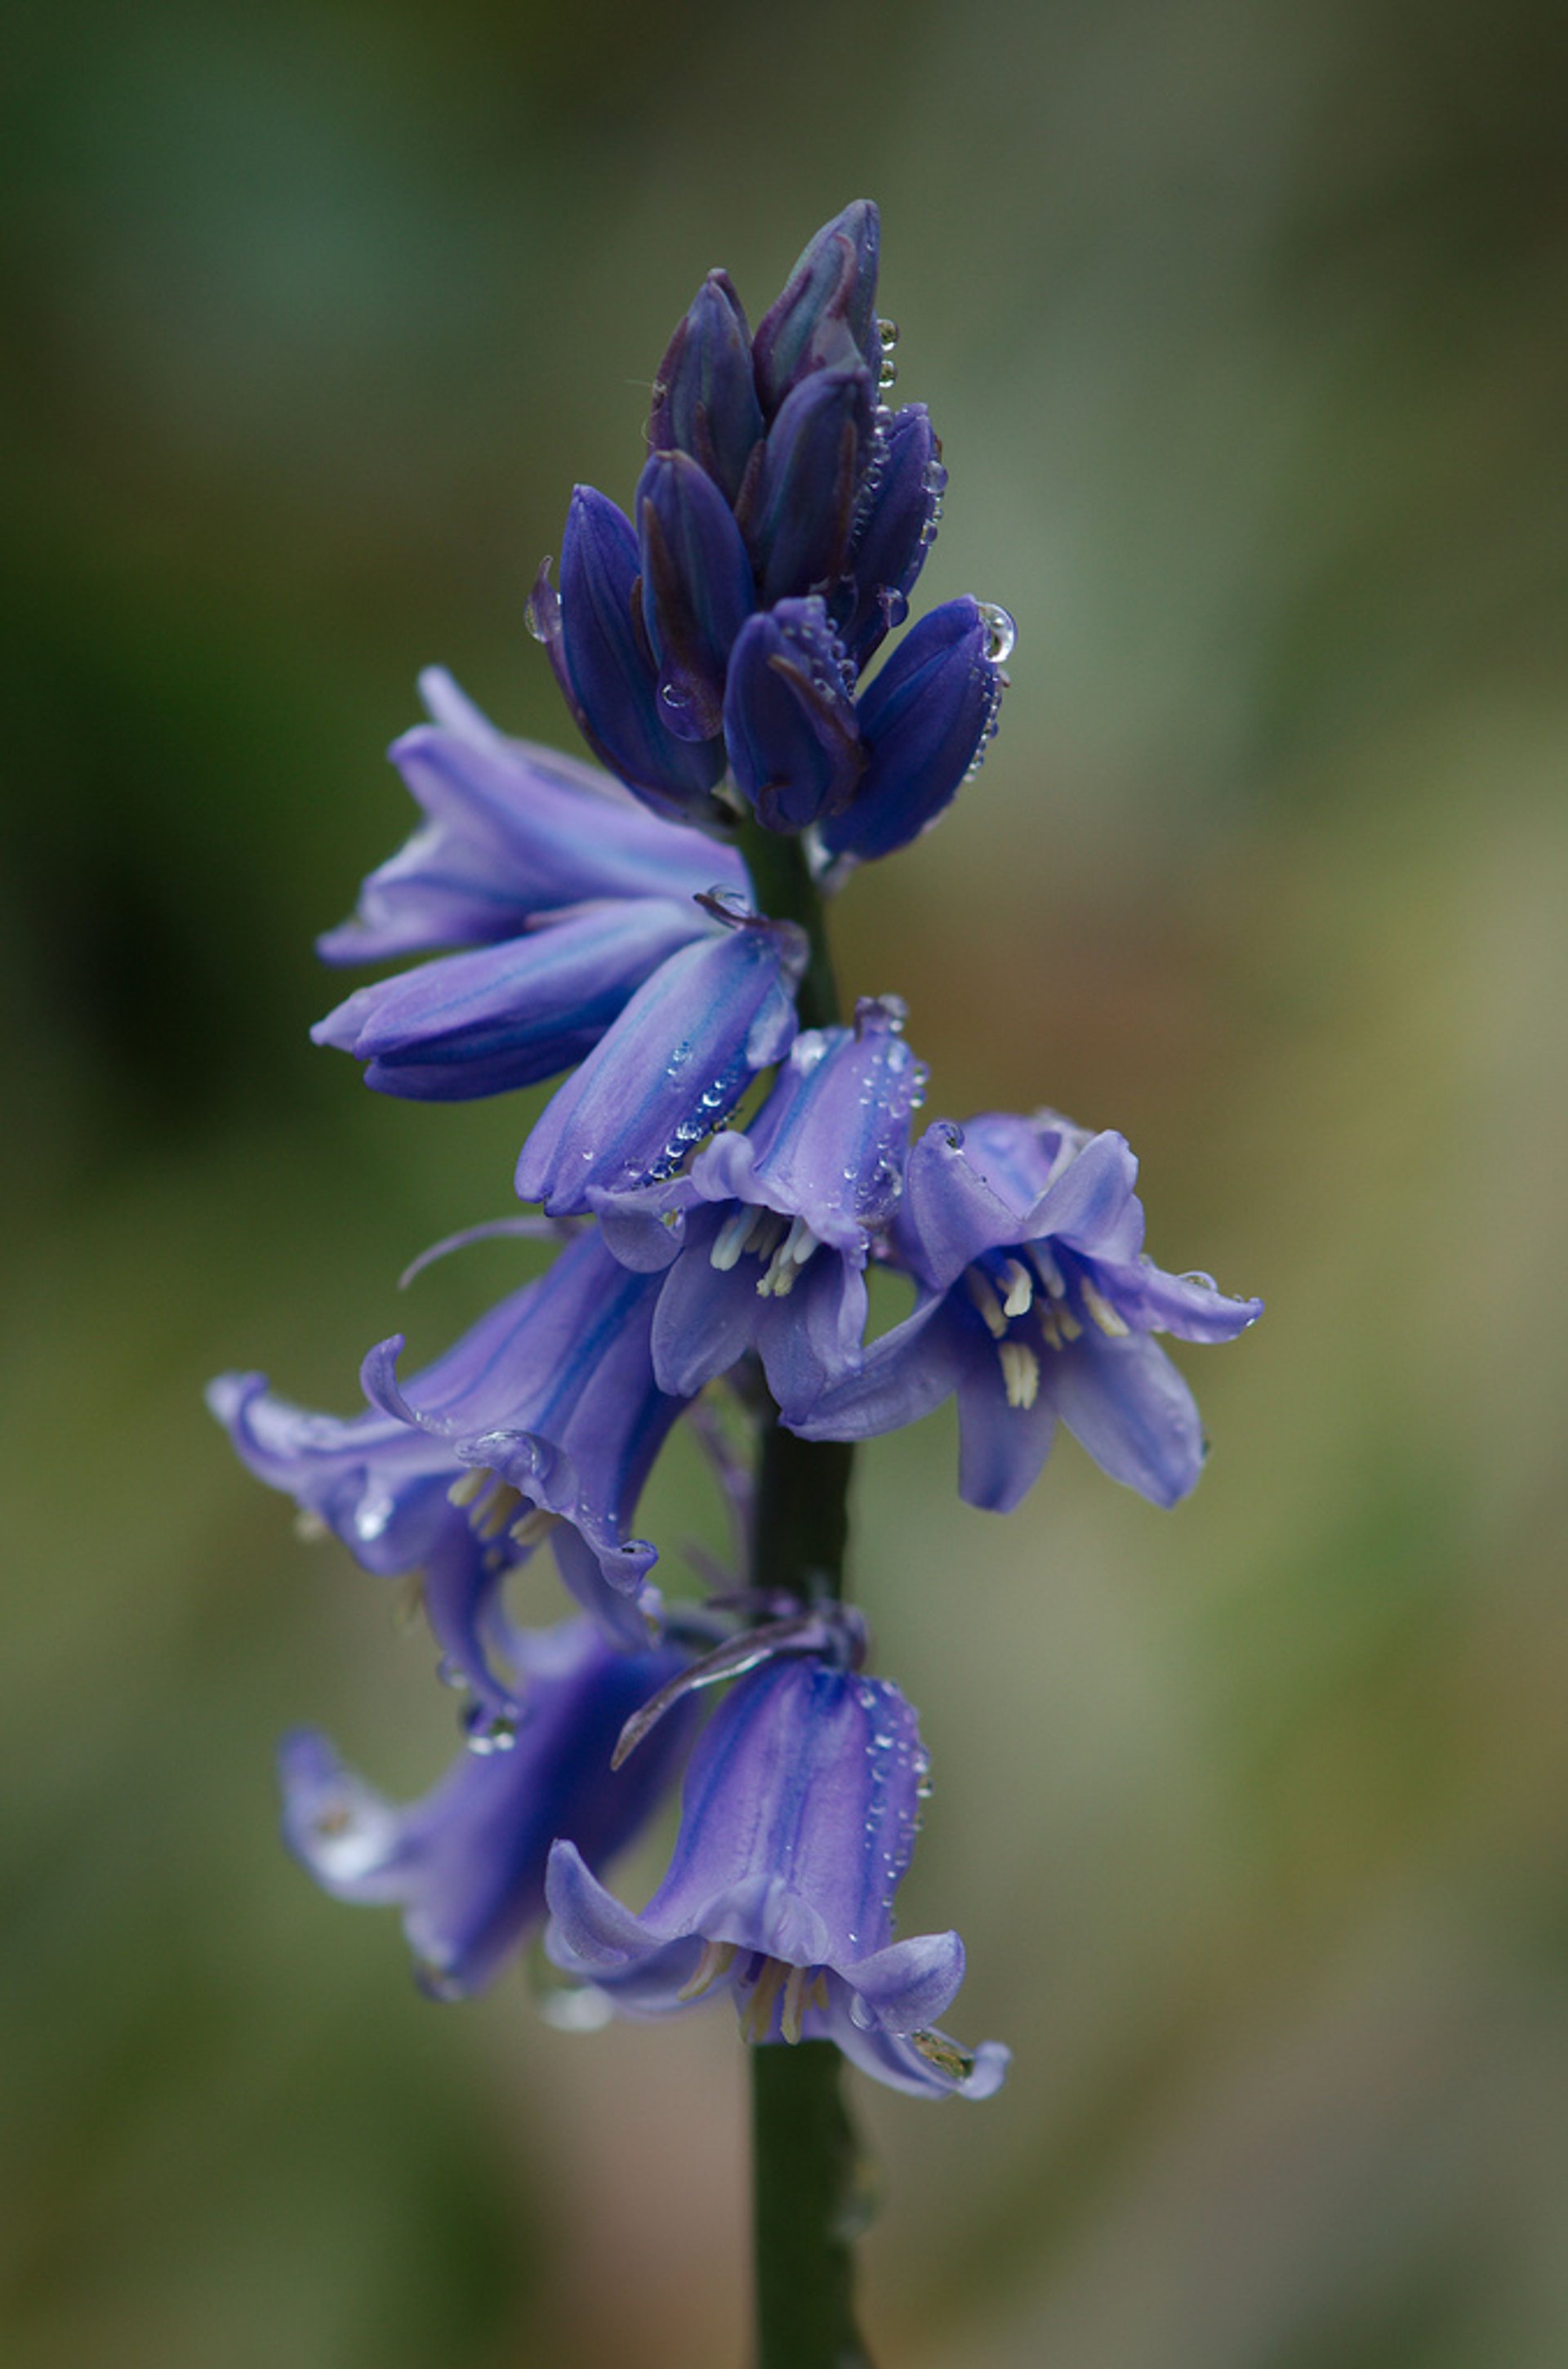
810 2185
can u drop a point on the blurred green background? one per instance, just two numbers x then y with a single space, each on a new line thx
1244 325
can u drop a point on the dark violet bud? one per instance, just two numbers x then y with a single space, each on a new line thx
894 526
788 721
705 398
827 313
798 511
594 638
925 721
696 590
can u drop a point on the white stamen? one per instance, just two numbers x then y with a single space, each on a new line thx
1050 1275
798 1246
1071 1329
759 2013
986 1301
494 1511
730 1240
536 1523
794 2004
1104 1315
1019 1291
469 1486
715 1960
1020 1372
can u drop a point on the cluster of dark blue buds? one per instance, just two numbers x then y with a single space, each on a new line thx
605 924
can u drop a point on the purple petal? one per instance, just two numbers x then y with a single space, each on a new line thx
1192 1306
826 314
904 1375
789 724
1125 1402
799 510
696 590
925 719
894 526
506 1016
510 830
594 638
676 1061
1002 1448
909 1984
705 398
809 1777
953 1210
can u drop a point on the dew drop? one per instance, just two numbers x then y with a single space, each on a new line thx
1001 634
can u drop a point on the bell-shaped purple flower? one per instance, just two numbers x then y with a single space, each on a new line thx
1037 1304
510 1016
705 397
798 1819
797 512
542 1421
825 315
789 722
674 1064
894 526
598 645
766 1238
511 832
466 1862
572 892
925 720
696 590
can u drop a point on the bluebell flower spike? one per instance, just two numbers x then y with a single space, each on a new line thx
705 397
798 1817
825 315
466 1862
696 590
925 719
789 722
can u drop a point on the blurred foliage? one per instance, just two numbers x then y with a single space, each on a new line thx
1244 325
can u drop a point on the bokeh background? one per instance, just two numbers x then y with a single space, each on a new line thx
1243 323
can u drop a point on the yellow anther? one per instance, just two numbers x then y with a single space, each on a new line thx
1045 1267
1104 1315
536 1523
793 2003
1050 1323
986 1301
1020 1372
470 1484
1071 1327
714 1962
494 1511
1020 1288
759 2012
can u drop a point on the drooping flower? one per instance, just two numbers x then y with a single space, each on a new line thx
675 1063
569 892
766 1236
466 1862
542 1421
1037 1304
798 1819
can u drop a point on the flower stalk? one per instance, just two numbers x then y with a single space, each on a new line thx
809 2179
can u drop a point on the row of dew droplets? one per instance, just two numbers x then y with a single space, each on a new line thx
892 1750
1000 641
